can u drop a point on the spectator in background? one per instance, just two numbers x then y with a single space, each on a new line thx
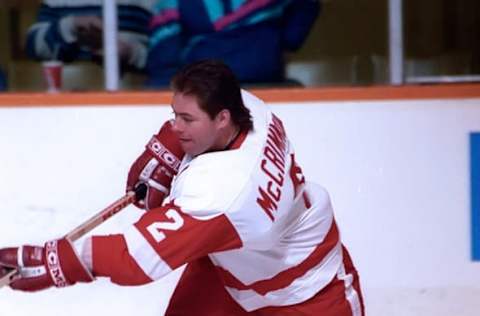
3 80
250 36
72 30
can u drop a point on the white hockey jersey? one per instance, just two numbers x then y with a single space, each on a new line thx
271 235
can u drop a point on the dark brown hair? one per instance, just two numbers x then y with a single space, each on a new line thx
215 87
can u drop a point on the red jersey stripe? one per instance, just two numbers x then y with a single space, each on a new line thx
286 277
111 258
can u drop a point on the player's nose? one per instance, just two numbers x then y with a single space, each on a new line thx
176 126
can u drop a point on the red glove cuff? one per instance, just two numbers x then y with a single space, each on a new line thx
63 264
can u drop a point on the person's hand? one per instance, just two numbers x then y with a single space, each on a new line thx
88 31
156 167
55 264
125 51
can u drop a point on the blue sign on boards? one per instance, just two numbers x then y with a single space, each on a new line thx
475 193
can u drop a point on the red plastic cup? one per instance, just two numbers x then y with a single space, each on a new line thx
52 72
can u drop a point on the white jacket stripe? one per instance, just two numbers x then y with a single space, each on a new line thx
309 284
350 293
144 254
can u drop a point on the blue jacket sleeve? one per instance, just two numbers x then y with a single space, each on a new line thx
44 38
165 44
298 20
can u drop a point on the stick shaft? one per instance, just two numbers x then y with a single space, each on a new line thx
101 216
7 278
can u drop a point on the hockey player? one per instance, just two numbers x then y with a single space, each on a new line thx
258 238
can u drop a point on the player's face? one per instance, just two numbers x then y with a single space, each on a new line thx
197 132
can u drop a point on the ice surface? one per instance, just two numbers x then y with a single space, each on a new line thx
71 167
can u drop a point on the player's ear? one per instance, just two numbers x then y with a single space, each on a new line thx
223 118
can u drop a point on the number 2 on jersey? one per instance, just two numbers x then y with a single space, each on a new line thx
155 228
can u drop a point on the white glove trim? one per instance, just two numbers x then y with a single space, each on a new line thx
33 272
154 184
148 169
20 263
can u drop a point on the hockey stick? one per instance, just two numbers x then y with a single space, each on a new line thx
108 212
91 223
8 278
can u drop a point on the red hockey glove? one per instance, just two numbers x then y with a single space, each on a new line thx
55 264
156 167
